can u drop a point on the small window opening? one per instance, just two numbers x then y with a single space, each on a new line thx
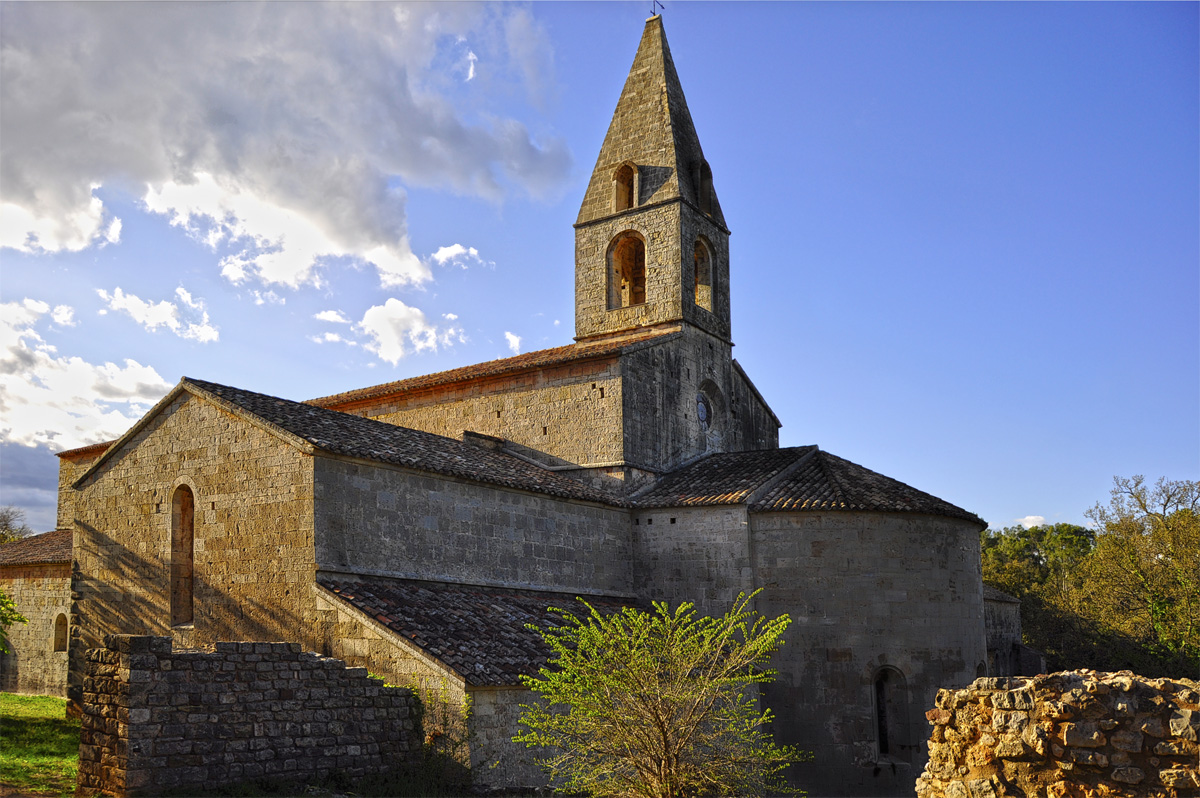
60 632
497 414
704 188
672 520
702 262
623 188
627 272
649 520
601 393
182 554
543 430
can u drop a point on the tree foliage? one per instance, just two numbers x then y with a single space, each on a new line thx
1126 595
658 704
12 524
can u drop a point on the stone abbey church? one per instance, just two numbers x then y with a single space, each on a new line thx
416 527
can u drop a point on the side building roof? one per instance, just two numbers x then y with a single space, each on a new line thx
480 633
48 547
337 433
530 361
800 478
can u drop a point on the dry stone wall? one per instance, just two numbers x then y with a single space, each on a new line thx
1077 734
154 719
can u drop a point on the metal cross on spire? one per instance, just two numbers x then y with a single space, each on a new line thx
653 5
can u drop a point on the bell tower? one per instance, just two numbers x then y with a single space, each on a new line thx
651 245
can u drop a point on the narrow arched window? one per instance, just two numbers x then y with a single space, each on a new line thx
183 513
626 271
60 632
704 188
891 716
623 188
702 260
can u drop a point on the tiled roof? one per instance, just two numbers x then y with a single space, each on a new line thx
542 358
728 478
353 436
801 478
92 448
48 547
992 594
827 482
479 632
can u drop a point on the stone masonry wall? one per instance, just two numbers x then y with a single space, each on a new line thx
871 595
1077 734
42 593
393 522
571 413
253 552
154 719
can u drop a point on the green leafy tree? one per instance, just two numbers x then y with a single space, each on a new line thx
8 616
12 524
1143 580
658 704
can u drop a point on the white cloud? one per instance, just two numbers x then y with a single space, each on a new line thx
460 256
63 315
279 134
267 298
191 322
334 316
1030 521
514 342
332 338
395 329
556 322
64 402
450 316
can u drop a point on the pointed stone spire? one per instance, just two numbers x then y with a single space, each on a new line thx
652 131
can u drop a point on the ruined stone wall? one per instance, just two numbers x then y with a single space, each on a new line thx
872 596
571 413
394 522
253 547
1077 734
155 720
696 554
42 593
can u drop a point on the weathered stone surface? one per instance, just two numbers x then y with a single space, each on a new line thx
349 723
1146 753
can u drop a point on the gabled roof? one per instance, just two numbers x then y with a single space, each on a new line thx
801 478
48 547
530 361
319 429
478 632
992 594
652 128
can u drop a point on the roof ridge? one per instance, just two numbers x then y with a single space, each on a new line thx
783 473
836 485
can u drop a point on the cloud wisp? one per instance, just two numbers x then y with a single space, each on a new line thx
394 330
63 402
188 319
277 133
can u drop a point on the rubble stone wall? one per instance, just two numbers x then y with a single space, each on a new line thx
1076 734
156 720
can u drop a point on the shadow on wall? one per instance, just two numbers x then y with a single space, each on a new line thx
137 601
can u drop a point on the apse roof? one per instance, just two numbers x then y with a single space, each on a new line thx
48 547
801 478
479 632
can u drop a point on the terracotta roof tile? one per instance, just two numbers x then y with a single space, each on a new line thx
48 547
91 448
479 632
827 482
727 478
793 479
354 436
539 359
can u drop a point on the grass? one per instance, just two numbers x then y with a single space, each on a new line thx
40 752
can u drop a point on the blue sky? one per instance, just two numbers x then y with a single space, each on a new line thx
965 253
